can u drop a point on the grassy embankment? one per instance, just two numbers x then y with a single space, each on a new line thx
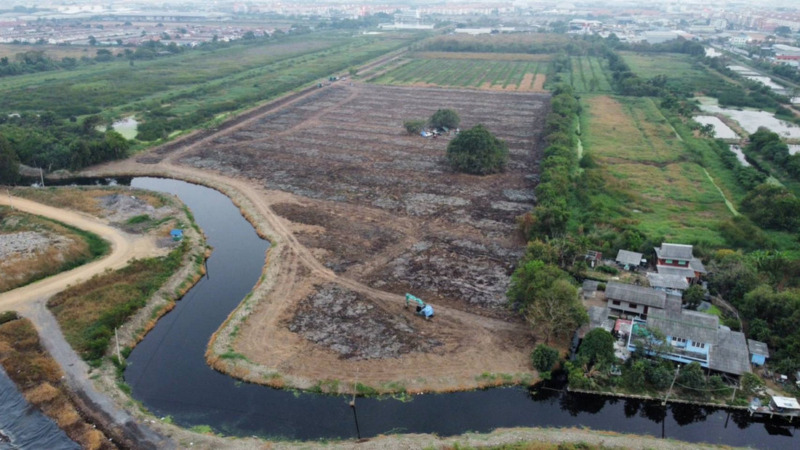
78 247
40 379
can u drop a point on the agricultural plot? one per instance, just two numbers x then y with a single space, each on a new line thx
381 211
489 71
344 147
220 80
679 69
644 160
589 75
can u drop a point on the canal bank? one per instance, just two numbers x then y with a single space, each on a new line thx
169 376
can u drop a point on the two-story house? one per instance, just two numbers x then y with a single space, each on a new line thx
678 259
628 300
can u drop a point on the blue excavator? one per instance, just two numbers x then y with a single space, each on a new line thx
423 309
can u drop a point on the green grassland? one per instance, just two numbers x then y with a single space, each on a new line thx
647 171
220 80
680 70
479 71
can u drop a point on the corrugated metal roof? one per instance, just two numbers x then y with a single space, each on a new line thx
667 281
692 325
697 266
635 294
674 251
629 258
672 270
729 353
757 347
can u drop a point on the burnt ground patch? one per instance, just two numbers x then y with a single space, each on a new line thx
350 325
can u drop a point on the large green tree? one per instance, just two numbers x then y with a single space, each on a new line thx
544 358
445 118
9 162
597 347
773 207
477 151
556 311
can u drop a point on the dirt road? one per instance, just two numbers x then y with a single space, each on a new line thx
31 301
124 247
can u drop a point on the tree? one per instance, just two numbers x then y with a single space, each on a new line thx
477 151
543 359
445 118
414 126
692 377
659 376
597 347
693 296
556 311
92 40
9 162
773 207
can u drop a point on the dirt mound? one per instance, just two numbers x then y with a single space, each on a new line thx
345 322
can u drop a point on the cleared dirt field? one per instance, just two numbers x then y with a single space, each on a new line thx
360 213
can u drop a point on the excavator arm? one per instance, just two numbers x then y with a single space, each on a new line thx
423 309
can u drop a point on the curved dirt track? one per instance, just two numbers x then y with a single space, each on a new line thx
124 248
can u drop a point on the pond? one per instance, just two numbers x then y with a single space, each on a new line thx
721 130
751 120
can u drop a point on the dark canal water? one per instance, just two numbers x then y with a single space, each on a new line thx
168 373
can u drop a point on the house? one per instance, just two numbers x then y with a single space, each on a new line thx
784 405
691 336
759 352
176 234
678 259
671 284
628 300
629 260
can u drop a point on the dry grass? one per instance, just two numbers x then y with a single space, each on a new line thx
52 51
484 56
84 199
40 379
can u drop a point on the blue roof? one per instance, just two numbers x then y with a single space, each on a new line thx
176 232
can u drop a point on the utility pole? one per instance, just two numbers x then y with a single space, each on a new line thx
116 338
8 191
677 369
41 176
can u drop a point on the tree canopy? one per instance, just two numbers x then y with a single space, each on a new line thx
9 162
477 151
445 118
597 347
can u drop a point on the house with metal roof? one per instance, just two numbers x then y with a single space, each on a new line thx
629 260
678 259
692 336
671 284
759 352
633 301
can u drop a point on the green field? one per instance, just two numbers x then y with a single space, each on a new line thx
647 165
221 80
474 71
589 75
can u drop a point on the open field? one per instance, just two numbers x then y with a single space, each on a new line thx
669 195
216 81
52 51
32 248
680 70
489 71
359 213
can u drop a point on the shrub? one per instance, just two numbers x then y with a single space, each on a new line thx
477 151
414 126
544 358
608 269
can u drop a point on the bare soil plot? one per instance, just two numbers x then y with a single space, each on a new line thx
382 214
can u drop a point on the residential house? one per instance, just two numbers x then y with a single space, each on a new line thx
629 260
671 284
678 259
692 336
759 352
628 300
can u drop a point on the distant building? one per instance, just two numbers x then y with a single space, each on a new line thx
629 260
759 352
